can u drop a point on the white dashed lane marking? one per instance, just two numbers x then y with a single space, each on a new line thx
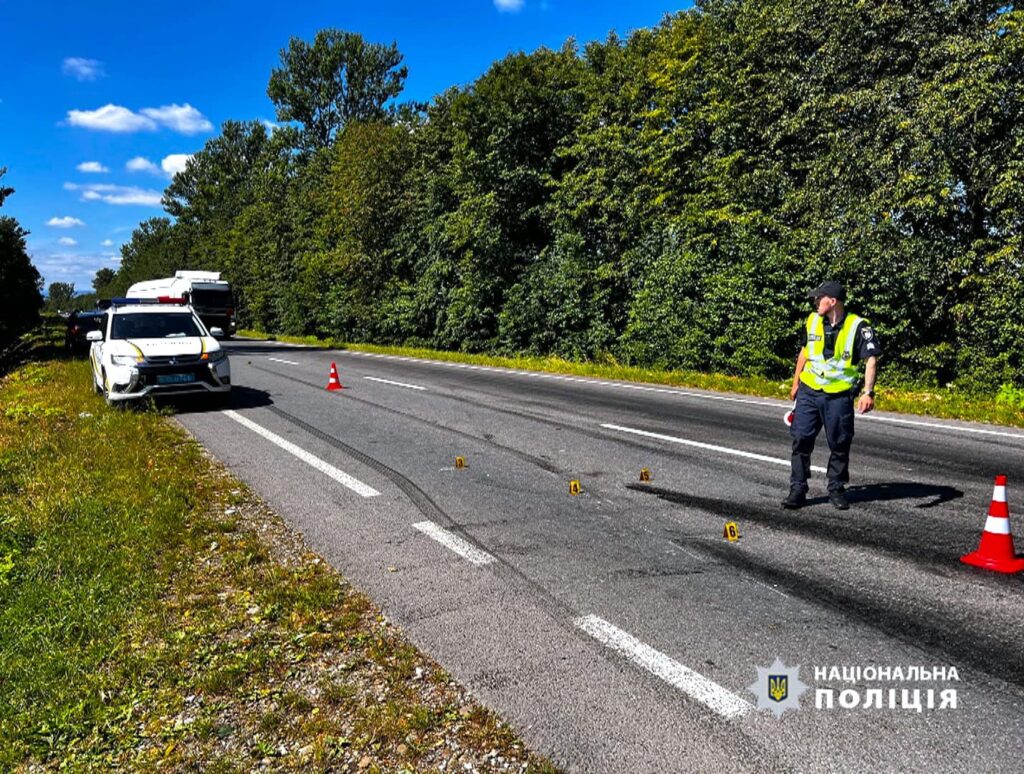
450 540
707 446
693 684
280 360
326 468
396 384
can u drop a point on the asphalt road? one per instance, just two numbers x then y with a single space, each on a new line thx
617 629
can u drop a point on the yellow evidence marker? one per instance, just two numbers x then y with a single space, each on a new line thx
645 474
574 487
731 532
460 462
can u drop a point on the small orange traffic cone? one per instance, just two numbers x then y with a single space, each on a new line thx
333 383
996 549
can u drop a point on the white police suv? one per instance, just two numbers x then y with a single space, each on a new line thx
156 347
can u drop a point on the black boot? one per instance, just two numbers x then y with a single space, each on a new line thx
838 499
796 499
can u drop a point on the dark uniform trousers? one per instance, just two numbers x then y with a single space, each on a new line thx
815 408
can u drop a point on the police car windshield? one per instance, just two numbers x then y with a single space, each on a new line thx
153 326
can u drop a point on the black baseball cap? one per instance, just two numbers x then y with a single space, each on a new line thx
829 288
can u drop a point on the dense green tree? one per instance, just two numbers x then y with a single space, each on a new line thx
20 283
102 279
59 296
336 79
664 199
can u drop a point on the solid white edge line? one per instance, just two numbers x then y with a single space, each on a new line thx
326 468
707 446
397 384
693 684
280 360
450 540
673 391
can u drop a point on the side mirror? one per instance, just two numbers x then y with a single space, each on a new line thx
94 336
217 333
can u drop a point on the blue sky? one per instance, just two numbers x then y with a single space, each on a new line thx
100 102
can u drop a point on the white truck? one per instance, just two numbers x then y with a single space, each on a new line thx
205 291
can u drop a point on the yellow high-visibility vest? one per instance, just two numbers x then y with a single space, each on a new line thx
837 373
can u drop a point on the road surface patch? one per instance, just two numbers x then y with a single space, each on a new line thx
673 391
693 684
326 468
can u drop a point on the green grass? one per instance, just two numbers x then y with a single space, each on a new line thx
154 613
1005 407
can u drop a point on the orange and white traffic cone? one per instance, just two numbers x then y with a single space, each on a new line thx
333 383
996 549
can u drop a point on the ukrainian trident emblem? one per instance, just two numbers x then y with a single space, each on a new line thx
778 688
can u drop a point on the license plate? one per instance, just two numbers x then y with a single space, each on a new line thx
175 378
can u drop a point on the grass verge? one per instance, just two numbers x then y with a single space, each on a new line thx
154 613
1006 408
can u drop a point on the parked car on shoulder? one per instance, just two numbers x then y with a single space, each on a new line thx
156 347
78 326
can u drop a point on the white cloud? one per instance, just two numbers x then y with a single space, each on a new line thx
270 125
107 243
66 222
91 166
142 164
181 118
68 267
174 163
110 118
509 6
116 194
82 69
67 241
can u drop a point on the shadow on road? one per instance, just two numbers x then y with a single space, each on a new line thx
240 398
898 490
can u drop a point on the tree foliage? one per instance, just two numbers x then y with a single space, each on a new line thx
336 79
59 296
664 199
20 284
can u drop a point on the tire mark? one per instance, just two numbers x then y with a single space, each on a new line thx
943 636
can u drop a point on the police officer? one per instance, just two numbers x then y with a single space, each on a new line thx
824 385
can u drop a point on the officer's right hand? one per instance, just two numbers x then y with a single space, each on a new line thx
793 391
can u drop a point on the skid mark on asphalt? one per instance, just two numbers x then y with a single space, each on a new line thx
709 693
947 637
545 465
326 468
893 539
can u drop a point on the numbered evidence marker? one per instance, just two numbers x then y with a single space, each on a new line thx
460 462
574 487
731 532
645 474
